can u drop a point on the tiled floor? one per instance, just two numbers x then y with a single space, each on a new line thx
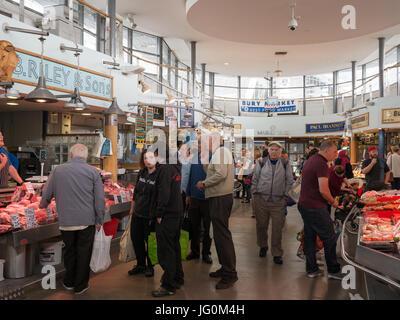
259 278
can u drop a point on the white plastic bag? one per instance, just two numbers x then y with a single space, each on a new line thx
127 252
99 145
101 259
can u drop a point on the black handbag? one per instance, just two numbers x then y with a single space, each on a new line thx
186 224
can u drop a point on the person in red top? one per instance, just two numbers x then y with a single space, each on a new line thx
313 206
336 179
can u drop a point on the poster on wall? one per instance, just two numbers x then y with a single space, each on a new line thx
186 117
280 106
141 125
158 113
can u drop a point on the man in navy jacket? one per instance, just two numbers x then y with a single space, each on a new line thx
199 211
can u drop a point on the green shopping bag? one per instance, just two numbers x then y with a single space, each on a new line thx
152 246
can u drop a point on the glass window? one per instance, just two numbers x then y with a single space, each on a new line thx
145 42
344 87
253 82
38 5
226 92
320 91
125 37
319 79
150 68
287 82
344 76
289 93
227 81
255 93
372 68
89 21
89 40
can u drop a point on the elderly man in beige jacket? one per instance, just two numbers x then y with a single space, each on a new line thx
219 190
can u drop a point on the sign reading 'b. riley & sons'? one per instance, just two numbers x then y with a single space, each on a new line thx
282 106
325 127
62 76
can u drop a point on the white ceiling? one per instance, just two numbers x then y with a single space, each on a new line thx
247 33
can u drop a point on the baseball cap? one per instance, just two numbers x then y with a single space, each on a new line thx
275 143
372 148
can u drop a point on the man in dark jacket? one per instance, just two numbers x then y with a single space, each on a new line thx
199 210
168 211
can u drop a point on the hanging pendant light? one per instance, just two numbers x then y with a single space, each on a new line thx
114 108
171 98
12 93
76 101
41 94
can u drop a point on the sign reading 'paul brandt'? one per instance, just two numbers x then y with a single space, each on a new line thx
325 127
61 76
281 106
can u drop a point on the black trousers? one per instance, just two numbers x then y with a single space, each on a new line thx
318 222
220 211
140 230
169 251
77 255
199 212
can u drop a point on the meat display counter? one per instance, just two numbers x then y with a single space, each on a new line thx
19 245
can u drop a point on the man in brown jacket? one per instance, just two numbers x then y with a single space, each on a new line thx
219 190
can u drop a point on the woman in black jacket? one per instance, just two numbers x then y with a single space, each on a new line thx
142 224
168 212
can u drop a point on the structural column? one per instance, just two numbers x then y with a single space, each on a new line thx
353 83
211 90
111 133
193 63
381 65
353 149
304 96
382 151
203 77
398 62
334 100
112 14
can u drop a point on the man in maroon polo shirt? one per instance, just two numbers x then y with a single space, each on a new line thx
313 206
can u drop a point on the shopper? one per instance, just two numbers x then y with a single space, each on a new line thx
394 166
377 172
6 167
78 190
242 170
343 160
257 157
142 224
265 152
272 180
199 211
313 206
167 209
185 159
218 187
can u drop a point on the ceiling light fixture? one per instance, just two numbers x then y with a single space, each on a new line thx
41 94
13 103
114 108
145 87
226 63
86 114
12 93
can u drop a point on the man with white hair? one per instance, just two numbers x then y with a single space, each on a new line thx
79 194
218 187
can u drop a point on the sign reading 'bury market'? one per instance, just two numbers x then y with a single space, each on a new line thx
325 127
62 77
282 106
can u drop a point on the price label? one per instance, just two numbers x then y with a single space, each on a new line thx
123 196
29 187
116 201
30 218
55 211
15 221
128 195
49 214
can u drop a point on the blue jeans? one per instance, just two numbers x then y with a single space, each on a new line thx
317 222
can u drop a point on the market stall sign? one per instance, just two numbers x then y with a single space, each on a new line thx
49 214
15 221
360 121
281 106
149 124
391 115
325 127
184 121
30 218
61 76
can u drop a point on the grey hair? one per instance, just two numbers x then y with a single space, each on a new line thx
79 151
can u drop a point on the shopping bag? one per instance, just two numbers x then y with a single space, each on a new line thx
294 192
152 246
106 150
186 224
300 251
101 259
126 250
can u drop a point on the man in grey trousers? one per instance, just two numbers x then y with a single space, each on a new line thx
219 190
79 193
272 179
